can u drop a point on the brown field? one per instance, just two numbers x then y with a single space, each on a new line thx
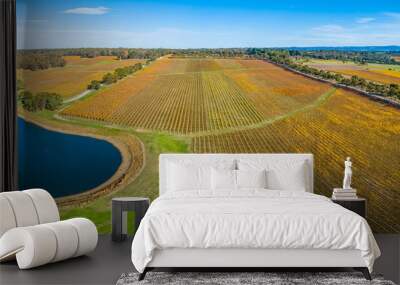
173 65
380 76
346 125
187 96
379 73
73 78
273 90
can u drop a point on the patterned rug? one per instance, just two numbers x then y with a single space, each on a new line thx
244 278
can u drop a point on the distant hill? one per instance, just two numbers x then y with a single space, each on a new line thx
350 48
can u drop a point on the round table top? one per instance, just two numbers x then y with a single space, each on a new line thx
130 199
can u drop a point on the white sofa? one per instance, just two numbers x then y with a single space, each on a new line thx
31 231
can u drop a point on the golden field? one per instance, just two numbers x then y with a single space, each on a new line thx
346 125
380 73
188 96
73 78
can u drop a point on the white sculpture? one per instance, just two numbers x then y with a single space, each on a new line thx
347 174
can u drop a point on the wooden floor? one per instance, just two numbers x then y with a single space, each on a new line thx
110 260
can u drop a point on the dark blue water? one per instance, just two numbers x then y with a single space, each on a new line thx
63 164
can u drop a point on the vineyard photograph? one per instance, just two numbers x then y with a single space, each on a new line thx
194 92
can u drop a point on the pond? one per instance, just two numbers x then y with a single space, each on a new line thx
63 164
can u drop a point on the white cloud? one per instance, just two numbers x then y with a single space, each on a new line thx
393 15
375 33
328 29
88 11
365 20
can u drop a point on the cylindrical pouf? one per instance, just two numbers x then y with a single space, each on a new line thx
67 240
37 245
23 208
87 235
46 207
7 218
33 246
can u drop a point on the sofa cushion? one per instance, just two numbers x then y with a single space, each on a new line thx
46 207
7 220
23 208
41 244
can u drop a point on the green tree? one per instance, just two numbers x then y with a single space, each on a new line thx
26 98
53 101
40 100
109 78
394 90
121 72
94 84
20 85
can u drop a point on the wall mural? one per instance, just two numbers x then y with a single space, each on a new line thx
104 89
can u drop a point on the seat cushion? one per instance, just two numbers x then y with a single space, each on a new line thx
67 240
46 207
23 208
87 235
41 244
32 246
7 220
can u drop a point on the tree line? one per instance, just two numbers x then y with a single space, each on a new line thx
142 53
121 53
39 101
46 58
386 90
361 57
212 52
118 74
35 61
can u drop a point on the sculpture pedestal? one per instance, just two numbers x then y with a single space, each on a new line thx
339 193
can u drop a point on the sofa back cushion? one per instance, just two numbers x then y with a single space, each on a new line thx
26 208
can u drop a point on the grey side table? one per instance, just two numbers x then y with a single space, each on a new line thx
358 205
120 206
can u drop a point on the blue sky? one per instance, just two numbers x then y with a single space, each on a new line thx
212 24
